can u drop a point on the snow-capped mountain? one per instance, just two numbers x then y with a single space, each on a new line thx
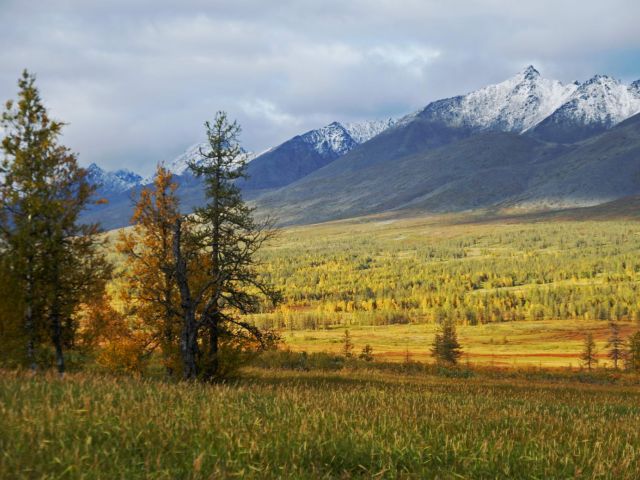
328 142
515 105
360 132
601 100
180 164
305 153
113 182
597 105
552 110
526 102
515 126
339 138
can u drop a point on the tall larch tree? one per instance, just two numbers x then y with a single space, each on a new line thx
148 284
632 358
615 344
588 355
225 232
55 260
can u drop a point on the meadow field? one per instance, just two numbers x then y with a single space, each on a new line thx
519 405
542 343
316 424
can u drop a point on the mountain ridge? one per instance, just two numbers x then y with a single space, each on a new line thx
415 154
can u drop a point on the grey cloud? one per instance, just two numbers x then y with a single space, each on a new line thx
136 79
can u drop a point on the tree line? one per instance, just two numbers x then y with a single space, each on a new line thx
621 352
185 280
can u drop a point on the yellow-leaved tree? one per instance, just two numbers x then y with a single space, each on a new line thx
147 289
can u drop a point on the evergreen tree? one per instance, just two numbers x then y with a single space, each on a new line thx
367 353
615 344
407 356
55 260
633 353
446 347
224 236
589 352
347 345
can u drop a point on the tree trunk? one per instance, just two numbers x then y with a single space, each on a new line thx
56 336
214 318
189 347
168 340
29 323
31 342
189 337
213 362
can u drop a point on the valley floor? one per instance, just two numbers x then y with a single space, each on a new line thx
543 343
344 424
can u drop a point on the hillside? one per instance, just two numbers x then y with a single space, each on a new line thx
483 170
598 170
527 142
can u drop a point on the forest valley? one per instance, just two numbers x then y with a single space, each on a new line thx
197 296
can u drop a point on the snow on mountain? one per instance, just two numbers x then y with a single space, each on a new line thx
336 139
601 100
514 105
180 164
362 131
519 104
113 182
330 140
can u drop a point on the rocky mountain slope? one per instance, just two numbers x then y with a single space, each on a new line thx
273 168
525 142
486 170
112 183
596 105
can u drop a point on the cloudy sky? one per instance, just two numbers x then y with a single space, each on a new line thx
135 79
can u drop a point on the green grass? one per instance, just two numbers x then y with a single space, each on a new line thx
316 425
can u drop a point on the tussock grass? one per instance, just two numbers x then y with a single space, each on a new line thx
317 424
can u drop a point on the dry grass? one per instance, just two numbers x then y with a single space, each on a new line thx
316 425
546 343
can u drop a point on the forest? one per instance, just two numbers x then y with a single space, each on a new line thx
430 269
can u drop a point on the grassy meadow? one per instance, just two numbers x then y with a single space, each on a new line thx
523 293
345 424
543 343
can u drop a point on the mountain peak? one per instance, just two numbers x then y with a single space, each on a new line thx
530 73
128 176
112 182
514 105
596 105
601 79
